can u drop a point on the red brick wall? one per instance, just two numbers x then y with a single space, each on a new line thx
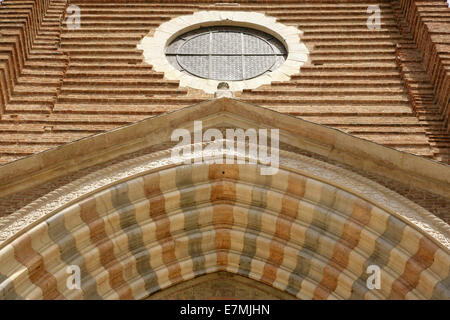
429 23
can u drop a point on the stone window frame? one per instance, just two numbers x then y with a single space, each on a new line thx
154 47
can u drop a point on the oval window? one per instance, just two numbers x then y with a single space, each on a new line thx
226 53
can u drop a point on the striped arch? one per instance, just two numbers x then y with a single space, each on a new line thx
295 231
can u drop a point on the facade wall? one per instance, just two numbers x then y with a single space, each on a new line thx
429 22
76 83
389 86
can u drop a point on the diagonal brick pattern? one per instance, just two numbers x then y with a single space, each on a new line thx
429 22
420 91
30 85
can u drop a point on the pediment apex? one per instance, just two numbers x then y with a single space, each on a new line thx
310 137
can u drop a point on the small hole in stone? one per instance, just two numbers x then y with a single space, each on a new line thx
223 172
223 86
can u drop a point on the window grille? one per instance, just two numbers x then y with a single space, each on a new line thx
226 53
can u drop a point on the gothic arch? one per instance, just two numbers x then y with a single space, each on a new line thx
295 231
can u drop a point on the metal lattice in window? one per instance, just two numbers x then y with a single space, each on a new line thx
226 53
